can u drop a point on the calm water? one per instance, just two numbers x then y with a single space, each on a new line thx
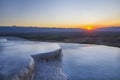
91 62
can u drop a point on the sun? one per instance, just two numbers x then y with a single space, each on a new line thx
89 27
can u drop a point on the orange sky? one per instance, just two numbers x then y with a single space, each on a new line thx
60 13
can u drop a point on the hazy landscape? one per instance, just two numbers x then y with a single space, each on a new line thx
104 36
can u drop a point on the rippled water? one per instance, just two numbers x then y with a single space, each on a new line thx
91 62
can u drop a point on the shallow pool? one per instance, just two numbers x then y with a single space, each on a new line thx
90 62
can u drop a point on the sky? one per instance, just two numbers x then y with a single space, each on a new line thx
60 13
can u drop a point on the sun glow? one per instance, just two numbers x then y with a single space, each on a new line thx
89 28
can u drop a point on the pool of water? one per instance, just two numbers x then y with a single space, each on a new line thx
90 62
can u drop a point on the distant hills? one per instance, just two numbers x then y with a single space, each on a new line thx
107 36
114 29
18 29
11 29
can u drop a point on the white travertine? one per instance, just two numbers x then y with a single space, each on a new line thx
16 57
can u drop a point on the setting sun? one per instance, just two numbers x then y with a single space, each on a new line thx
89 27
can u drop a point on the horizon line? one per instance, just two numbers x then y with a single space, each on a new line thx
80 27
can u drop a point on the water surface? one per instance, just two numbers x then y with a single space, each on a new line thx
91 62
